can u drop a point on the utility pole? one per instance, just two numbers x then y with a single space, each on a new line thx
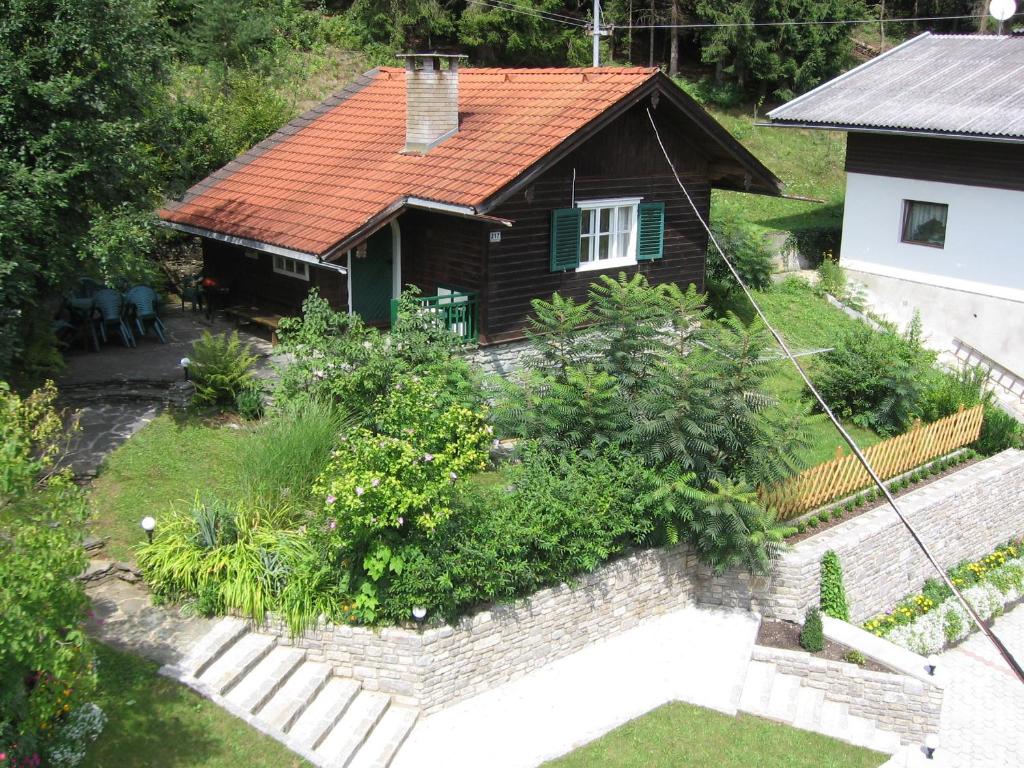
597 33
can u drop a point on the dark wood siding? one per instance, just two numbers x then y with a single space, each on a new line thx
621 161
255 279
441 250
955 161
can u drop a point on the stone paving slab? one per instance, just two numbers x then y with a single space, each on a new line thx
123 616
102 428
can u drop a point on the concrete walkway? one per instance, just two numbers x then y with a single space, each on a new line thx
695 655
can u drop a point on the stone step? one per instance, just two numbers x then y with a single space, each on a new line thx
833 719
886 741
757 687
809 702
386 738
294 696
256 688
860 731
341 744
323 713
782 700
236 662
213 644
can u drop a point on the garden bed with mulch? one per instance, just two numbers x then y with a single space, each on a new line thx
786 635
798 537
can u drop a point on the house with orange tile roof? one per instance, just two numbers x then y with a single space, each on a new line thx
484 188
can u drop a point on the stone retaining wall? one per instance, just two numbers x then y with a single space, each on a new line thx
961 516
502 358
436 667
898 703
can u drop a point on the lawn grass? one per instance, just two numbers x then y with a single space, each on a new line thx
156 722
160 468
684 736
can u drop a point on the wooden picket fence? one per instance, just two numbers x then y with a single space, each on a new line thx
844 475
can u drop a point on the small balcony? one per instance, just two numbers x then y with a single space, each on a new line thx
457 310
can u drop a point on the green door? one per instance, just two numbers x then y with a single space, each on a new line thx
372 278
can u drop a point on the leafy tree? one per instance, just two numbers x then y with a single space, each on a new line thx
45 658
78 79
776 61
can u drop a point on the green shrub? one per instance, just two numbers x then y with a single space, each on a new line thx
814 522
249 402
949 390
874 378
748 251
833 593
801 526
855 657
952 625
812 636
936 590
832 278
816 243
999 431
220 367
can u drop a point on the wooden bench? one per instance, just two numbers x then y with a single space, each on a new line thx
256 316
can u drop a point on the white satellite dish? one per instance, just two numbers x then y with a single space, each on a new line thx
1002 9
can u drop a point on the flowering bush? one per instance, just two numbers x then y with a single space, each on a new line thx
927 622
386 485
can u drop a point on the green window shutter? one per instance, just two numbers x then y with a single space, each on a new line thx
565 239
650 241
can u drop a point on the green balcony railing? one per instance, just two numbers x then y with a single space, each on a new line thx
456 309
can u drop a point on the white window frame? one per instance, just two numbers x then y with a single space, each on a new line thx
589 239
285 265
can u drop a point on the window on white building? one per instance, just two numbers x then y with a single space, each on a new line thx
291 267
924 223
608 233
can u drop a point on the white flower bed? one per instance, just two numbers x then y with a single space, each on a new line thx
948 622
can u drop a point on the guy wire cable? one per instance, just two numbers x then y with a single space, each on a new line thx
1003 650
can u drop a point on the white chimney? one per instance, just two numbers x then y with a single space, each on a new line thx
431 100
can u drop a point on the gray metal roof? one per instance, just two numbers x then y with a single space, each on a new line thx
953 85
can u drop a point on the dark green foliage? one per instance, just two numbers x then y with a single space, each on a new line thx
833 593
949 391
220 367
801 527
855 657
952 625
814 243
936 590
812 636
776 61
748 251
249 402
875 379
814 522
999 431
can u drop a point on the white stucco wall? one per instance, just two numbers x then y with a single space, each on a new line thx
972 289
984 249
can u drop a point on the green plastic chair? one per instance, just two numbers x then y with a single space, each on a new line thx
192 291
110 305
142 304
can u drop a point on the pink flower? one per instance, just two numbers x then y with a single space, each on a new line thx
428 457
332 525
375 482
359 490
331 498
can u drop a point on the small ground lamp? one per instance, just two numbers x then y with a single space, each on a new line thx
148 524
185 363
931 743
419 613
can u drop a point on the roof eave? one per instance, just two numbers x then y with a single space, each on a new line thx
928 133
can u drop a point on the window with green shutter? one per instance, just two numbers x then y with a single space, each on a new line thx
565 239
651 238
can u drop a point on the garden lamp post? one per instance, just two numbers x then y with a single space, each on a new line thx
931 743
185 363
419 613
931 663
148 524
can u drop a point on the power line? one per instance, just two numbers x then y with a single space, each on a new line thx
498 5
1003 650
801 23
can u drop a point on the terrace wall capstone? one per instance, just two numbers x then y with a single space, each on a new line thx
962 516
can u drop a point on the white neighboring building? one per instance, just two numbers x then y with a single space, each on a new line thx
934 213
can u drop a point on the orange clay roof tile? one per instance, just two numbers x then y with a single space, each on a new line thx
324 175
